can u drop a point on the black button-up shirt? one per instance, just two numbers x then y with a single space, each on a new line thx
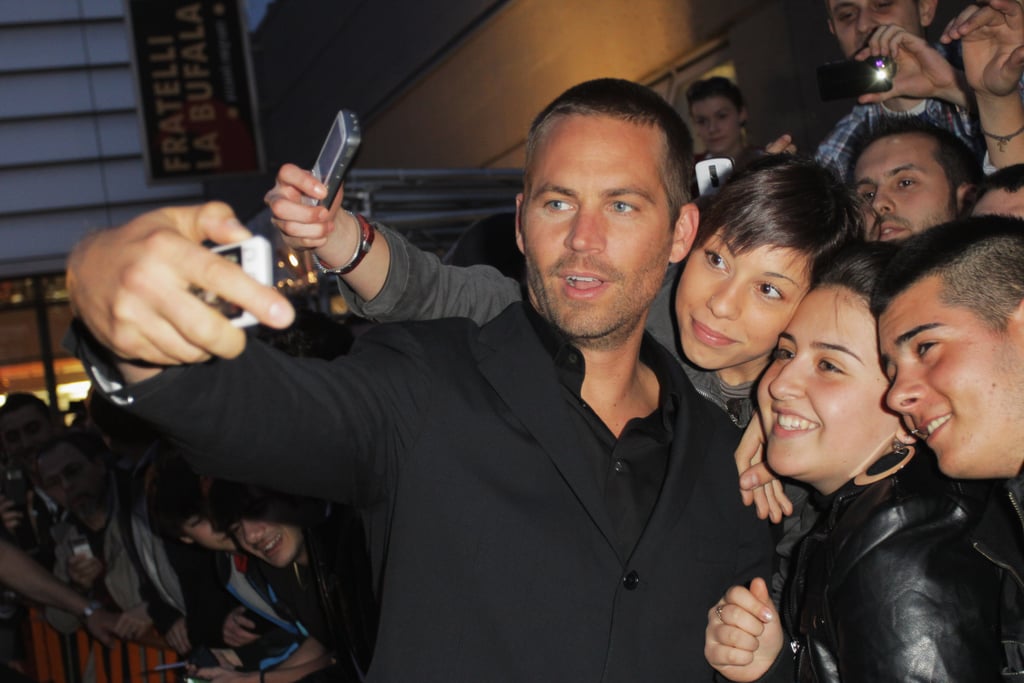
630 469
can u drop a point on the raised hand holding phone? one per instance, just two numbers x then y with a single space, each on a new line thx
336 155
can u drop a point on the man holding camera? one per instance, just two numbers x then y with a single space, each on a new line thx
926 86
546 496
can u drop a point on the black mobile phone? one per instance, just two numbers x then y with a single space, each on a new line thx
335 156
839 80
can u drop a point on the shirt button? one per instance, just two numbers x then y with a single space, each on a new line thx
573 359
631 580
620 466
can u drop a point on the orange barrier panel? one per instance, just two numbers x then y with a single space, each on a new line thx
54 657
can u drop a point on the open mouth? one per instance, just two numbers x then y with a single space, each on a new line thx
891 231
269 547
930 428
583 282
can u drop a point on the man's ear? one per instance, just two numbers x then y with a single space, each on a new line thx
926 11
1015 327
684 232
519 222
966 196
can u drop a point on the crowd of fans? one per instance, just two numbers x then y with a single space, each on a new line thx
138 522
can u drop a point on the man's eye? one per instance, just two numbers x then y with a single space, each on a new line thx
906 182
867 195
622 207
923 347
558 204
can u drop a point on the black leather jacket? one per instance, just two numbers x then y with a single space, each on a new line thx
889 587
999 538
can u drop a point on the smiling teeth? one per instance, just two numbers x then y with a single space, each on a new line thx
936 423
270 546
580 278
794 423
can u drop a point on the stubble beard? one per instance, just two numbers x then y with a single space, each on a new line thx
589 325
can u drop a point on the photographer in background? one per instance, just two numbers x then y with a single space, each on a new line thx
928 85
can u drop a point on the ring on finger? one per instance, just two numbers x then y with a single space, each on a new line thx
718 612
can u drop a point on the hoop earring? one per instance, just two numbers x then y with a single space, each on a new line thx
904 452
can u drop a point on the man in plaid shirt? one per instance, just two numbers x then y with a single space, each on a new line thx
927 85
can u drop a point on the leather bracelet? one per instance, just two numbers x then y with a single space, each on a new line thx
366 233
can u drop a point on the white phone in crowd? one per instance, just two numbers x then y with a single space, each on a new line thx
80 546
255 257
336 154
712 174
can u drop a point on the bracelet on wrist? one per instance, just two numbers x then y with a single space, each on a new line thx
91 608
366 233
1002 140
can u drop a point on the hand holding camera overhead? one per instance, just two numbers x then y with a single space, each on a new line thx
921 71
156 318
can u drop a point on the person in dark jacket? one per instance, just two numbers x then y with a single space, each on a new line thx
309 559
951 324
887 586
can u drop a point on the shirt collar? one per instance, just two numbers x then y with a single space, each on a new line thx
571 365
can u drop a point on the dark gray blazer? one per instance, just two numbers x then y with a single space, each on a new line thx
493 550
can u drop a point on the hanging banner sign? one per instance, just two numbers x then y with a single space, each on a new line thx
195 89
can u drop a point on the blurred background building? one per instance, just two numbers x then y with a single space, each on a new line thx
445 92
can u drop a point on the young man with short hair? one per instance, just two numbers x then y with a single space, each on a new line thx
913 176
951 326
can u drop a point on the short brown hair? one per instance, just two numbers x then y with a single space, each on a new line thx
634 103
